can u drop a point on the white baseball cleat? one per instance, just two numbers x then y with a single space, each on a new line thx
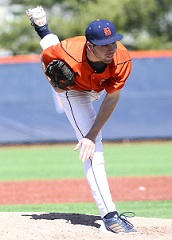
37 16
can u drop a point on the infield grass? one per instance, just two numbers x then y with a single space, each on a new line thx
154 209
61 162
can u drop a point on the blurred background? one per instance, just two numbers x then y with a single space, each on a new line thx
145 24
31 111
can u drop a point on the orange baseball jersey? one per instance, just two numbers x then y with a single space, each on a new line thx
73 52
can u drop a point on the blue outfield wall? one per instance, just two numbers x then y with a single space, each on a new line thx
30 112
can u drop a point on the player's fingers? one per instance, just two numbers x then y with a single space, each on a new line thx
83 151
77 146
87 149
82 154
87 153
92 152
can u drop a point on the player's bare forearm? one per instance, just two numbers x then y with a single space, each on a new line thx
107 107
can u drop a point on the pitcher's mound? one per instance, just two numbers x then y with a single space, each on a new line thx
61 226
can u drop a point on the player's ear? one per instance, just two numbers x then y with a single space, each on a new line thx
89 46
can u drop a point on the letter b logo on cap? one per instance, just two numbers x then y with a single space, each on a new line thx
107 31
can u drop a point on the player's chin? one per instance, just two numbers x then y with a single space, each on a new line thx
108 59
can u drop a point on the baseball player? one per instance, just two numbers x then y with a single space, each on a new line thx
95 63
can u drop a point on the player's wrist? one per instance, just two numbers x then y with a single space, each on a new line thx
90 137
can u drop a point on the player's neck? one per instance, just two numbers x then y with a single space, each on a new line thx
97 66
92 57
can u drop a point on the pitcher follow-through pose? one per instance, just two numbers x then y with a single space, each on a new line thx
96 62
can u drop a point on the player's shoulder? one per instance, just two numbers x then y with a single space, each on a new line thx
74 47
74 40
122 54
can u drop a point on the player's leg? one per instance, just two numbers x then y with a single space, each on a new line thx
81 114
38 19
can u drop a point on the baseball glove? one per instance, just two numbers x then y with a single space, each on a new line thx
60 74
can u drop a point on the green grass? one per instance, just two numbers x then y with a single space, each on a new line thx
141 159
159 209
39 162
61 162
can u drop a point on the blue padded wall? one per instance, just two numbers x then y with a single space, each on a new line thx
29 112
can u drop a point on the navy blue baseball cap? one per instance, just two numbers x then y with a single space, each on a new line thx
102 32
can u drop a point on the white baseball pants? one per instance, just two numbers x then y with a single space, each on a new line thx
81 114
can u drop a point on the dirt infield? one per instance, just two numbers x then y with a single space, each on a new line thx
77 190
62 226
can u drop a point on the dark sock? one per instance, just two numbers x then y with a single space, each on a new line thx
42 31
110 215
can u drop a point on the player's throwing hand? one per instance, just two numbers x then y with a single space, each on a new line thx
87 149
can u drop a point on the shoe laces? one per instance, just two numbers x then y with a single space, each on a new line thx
123 217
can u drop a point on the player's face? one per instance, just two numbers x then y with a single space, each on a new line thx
104 53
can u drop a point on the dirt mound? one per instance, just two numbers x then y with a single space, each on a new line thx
61 226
